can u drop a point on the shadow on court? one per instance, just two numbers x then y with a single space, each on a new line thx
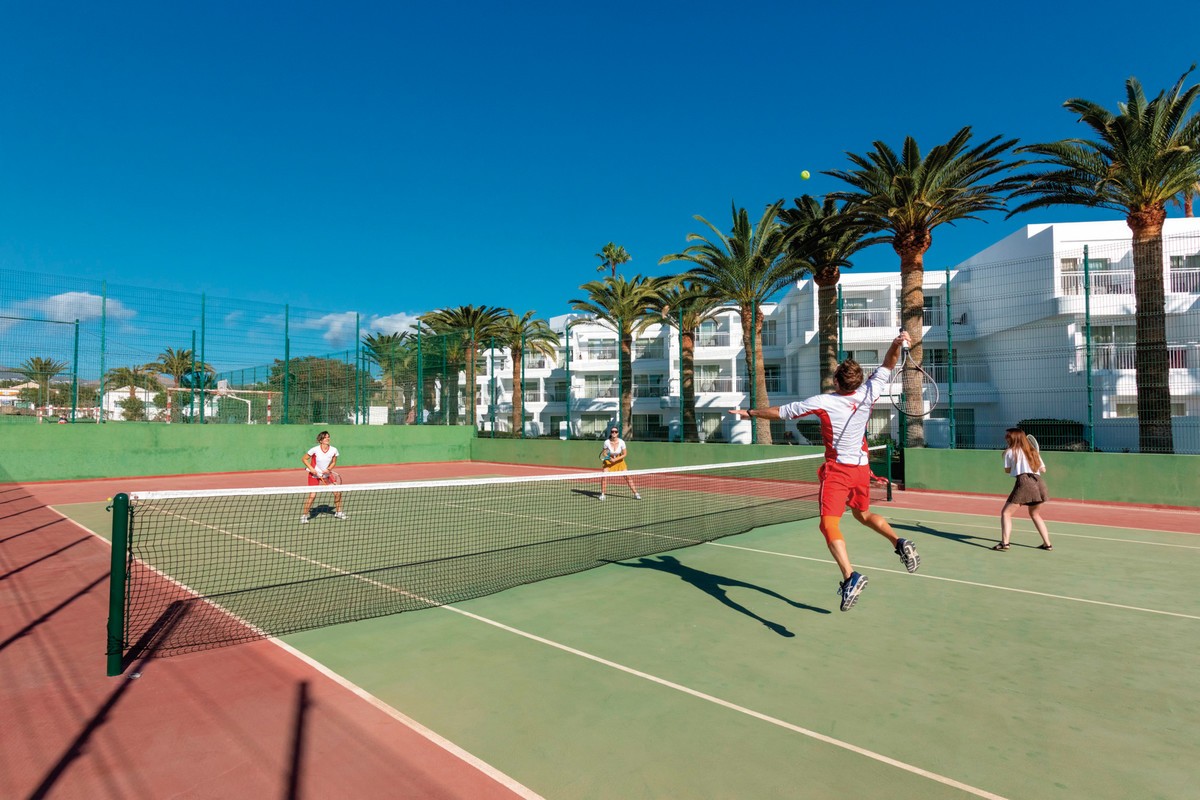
716 587
985 542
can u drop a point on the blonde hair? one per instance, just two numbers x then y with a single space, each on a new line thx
1015 439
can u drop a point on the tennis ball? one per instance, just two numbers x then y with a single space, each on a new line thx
804 175
110 499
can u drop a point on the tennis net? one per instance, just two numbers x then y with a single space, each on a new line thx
200 569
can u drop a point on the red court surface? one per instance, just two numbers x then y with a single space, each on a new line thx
250 721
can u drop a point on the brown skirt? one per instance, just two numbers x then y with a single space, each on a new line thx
1029 490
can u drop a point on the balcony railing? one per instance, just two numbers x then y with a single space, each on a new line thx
598 392
712 340
1109 281
649 352
649 391
1124 356
598 354
963 373
1185 281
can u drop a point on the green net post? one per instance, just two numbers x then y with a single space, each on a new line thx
1087 343
950 364
446 394
192 390
359 411
116 584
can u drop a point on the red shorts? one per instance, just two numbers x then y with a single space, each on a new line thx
843 485
313 480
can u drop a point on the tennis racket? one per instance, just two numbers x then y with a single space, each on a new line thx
913 391
331 478
1034 443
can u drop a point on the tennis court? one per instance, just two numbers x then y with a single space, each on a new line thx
725 670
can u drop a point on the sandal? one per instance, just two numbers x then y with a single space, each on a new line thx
1000 546
1045 547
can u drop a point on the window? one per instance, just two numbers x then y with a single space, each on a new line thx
864 357
769 338
1185 274
599 386
649 428
649 348
710 426
531 391
773 376
594 426
1127 407
791 323
648 386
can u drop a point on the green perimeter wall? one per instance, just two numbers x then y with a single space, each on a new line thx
74 452
1096 477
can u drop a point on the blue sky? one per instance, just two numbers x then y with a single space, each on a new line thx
394 158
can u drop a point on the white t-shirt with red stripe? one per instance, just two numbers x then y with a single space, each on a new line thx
843 418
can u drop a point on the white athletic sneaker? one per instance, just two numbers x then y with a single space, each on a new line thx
339 515
303 518
601 497
637 496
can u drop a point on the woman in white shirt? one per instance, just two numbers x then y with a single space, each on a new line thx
320 461
1024 463
613 458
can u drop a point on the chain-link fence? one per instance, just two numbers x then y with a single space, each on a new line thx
1088 345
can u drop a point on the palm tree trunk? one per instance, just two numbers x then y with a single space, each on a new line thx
1151 356
912 321
752 347
687 392
518 412
827 279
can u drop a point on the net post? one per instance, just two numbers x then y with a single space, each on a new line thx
116 584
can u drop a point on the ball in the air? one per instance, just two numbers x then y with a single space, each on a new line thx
804 175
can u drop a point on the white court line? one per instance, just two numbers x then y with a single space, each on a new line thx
965 583
820 737
1057 532
434 738
1056 522
499 776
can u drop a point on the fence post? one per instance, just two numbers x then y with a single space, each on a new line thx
682 432
203 363
492 381
287 363
420 382
950 365
841 326
753 369
75 374
1087 343
567 360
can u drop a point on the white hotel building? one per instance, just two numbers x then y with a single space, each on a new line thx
1016 319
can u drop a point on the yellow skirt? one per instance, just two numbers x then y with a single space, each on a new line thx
620 466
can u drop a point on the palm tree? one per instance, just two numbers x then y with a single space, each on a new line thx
135 377
1186 198
747 267
612 256
824 237
687 306
387 351
629 306
1140 158
905 198
40 371
176 363
524 335
474 325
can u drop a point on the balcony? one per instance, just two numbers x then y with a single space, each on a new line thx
1112 281
1185 281
712 340
1124 356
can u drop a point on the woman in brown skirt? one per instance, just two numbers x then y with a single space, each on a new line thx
1024 463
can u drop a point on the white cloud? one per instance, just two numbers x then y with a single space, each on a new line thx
66 307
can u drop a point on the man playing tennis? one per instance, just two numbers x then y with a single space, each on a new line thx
320 461
846 476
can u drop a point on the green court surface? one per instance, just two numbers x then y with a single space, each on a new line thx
726 670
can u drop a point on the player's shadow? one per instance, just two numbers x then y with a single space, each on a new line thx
716 587
960 538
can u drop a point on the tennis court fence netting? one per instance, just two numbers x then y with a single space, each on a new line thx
199 569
